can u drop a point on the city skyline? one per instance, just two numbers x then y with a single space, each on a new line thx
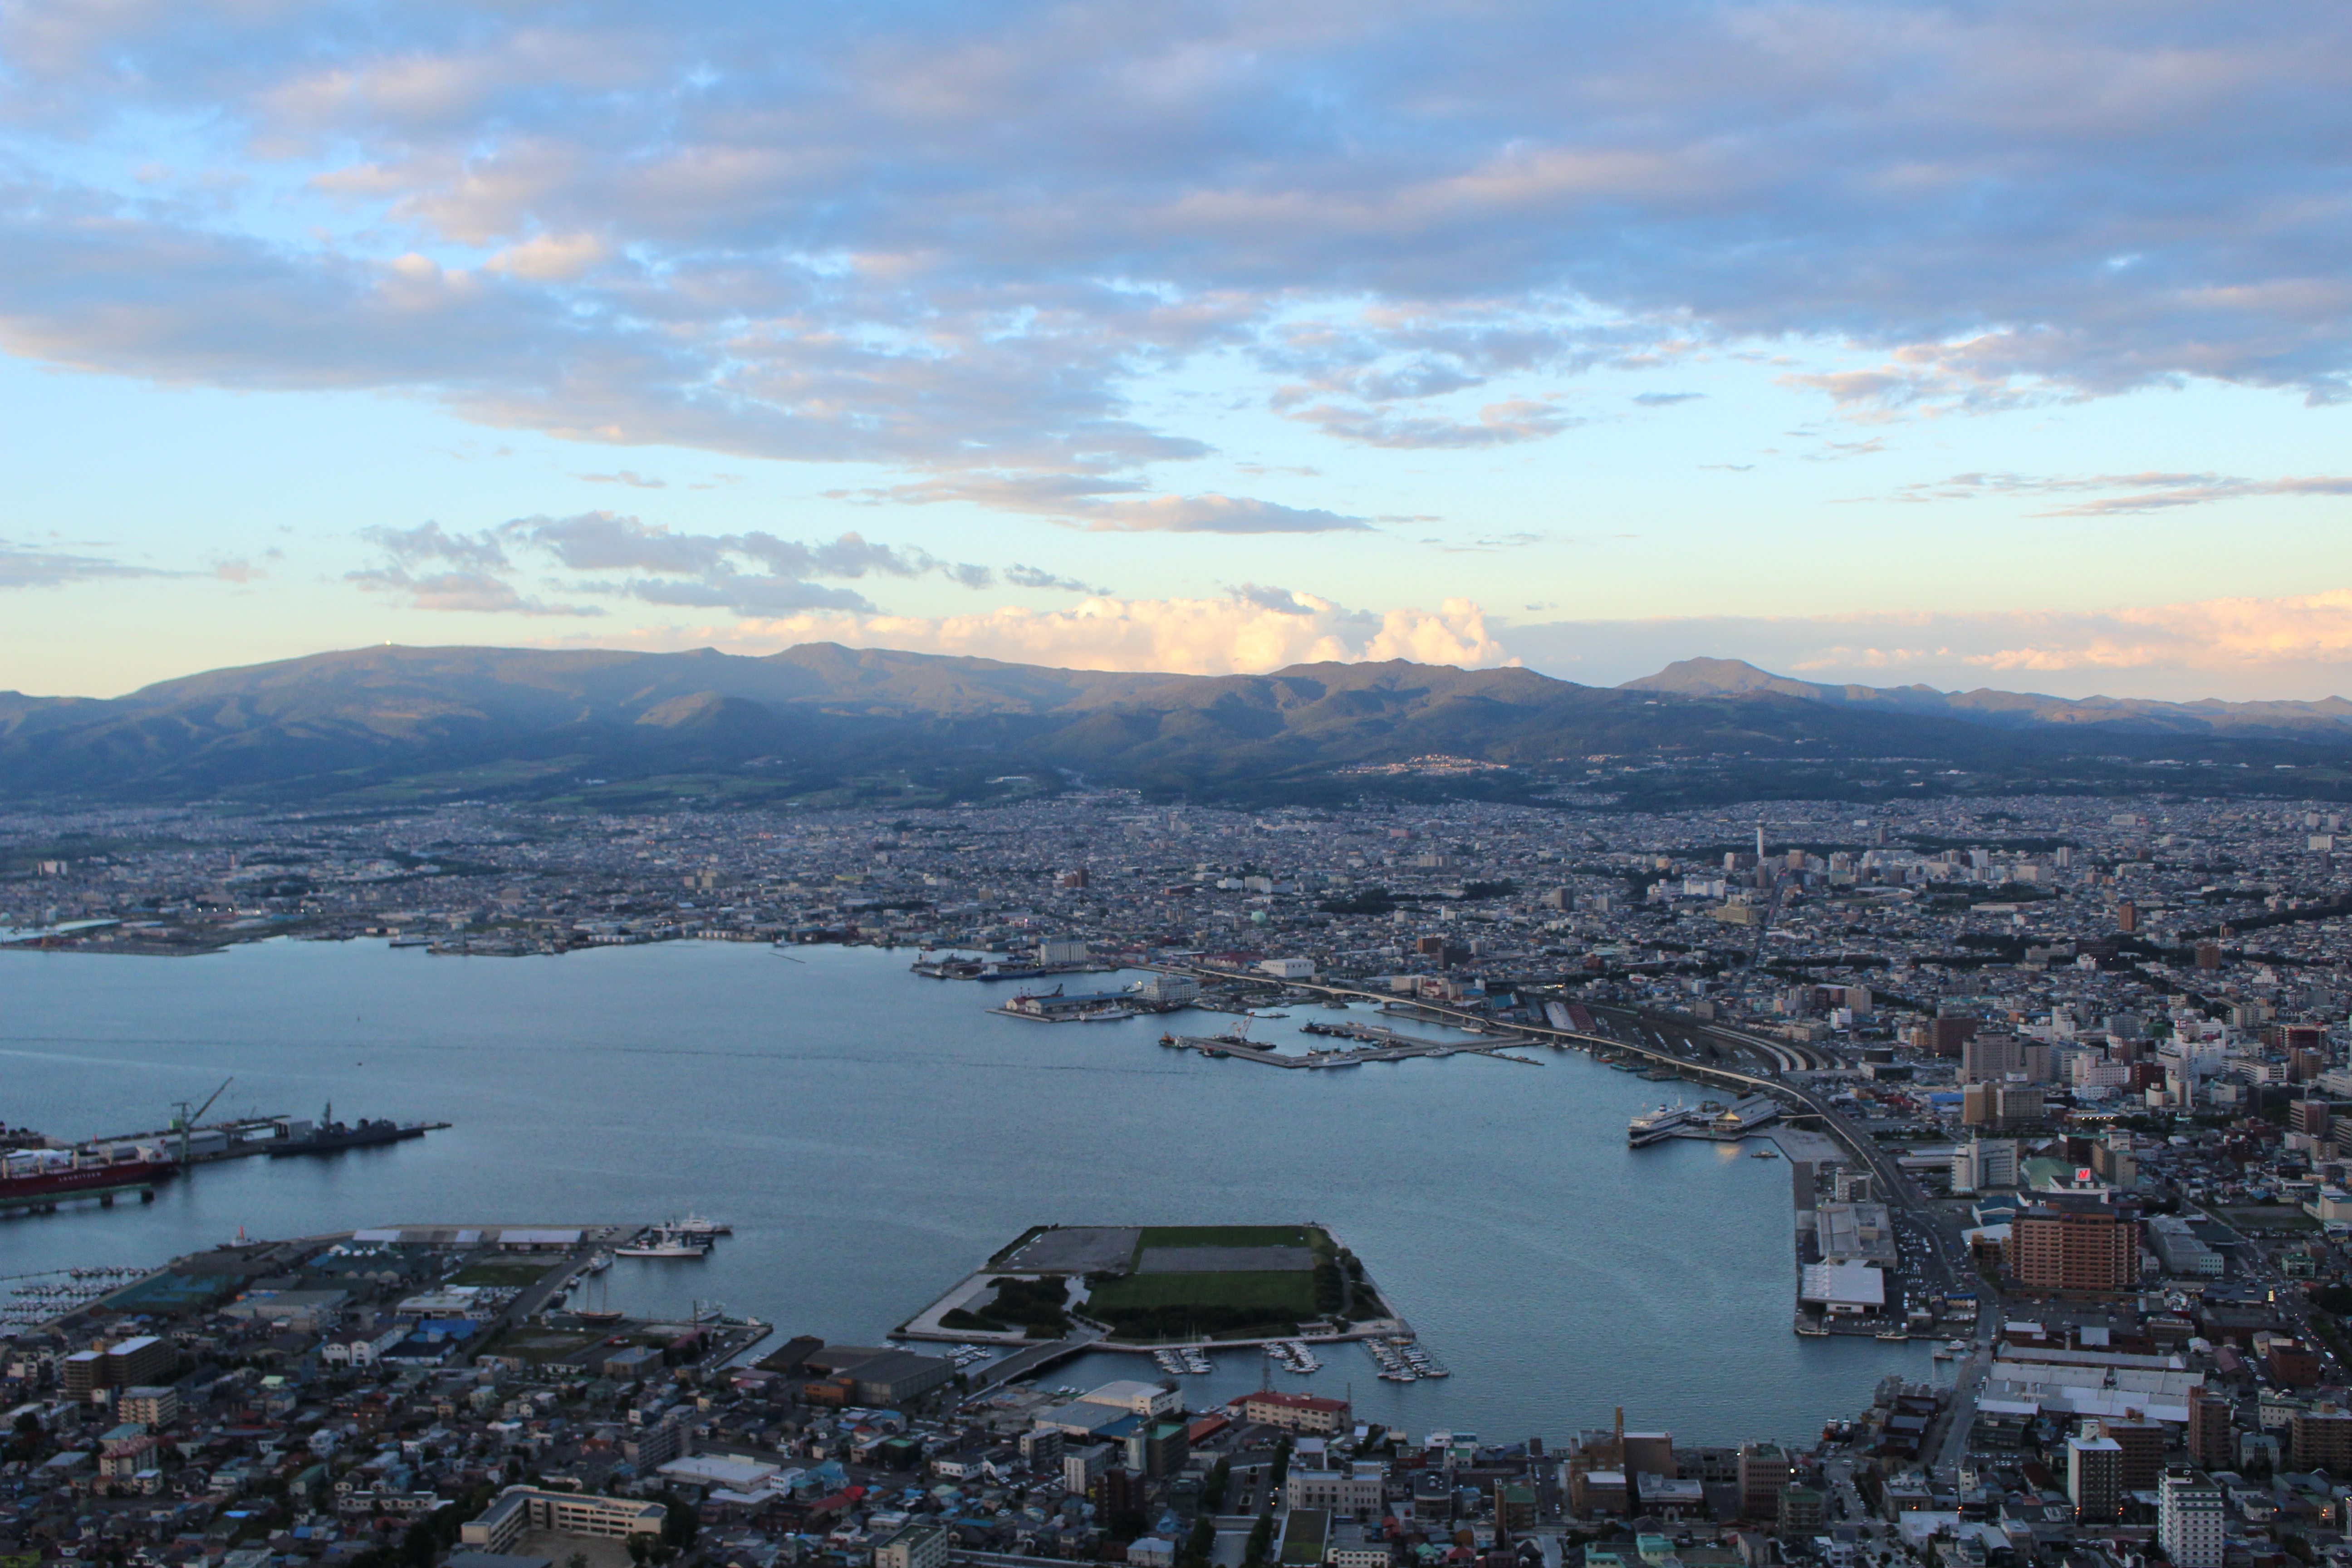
1975 347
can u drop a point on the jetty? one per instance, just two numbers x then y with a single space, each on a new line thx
1384 1045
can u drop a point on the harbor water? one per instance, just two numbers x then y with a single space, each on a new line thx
871 1136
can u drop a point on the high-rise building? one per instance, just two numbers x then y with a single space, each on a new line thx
1803 1512
1990 1057
2143 1445
2208 1437
2189 1518
2074 1245
2095 1478
2322 1440
1984 1163
1763 1473
1953 1033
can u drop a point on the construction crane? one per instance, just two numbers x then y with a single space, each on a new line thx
188 1118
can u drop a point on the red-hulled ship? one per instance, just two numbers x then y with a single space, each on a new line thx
44 1178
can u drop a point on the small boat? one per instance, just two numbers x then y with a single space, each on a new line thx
695 1225
1764 1151
597 1315
601 1262
1893 1336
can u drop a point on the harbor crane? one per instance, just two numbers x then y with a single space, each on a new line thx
187 1120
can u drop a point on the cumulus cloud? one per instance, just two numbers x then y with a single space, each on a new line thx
959 243
1242 633
2240 647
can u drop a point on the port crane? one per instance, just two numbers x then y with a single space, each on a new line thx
187 1120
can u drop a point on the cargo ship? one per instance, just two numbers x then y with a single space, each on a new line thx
331 1136
44 1178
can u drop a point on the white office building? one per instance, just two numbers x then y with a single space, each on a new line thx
2189 1518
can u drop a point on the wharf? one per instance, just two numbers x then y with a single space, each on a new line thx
1395 1048
250 1136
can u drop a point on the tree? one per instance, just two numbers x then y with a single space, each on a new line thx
1281 1469
1261 1537
640 1548
1213 1493
577 1560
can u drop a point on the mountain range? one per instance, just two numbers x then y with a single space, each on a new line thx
388 724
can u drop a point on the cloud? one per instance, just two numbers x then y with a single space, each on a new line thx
2240 647
1245 631
613 542
1498 424
469 592
747 593
1214 514
1665 399
625 477
2144 492
427 542
977 242
1035 577
749 573
25 567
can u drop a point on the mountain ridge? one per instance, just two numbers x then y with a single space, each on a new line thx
1733 677
818 716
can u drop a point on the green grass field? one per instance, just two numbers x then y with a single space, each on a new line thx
1225 1235
1287 1295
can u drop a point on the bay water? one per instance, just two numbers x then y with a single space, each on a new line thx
871 1136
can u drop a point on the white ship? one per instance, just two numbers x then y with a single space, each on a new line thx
1650 1126
666 1243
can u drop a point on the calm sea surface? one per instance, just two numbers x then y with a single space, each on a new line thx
872 1136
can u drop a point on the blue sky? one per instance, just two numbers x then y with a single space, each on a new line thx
1969 343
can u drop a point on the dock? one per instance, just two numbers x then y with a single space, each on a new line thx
1387 1047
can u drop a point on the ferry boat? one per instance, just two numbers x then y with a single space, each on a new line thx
1652 1126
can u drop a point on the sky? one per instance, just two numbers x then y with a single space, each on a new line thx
1992 344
